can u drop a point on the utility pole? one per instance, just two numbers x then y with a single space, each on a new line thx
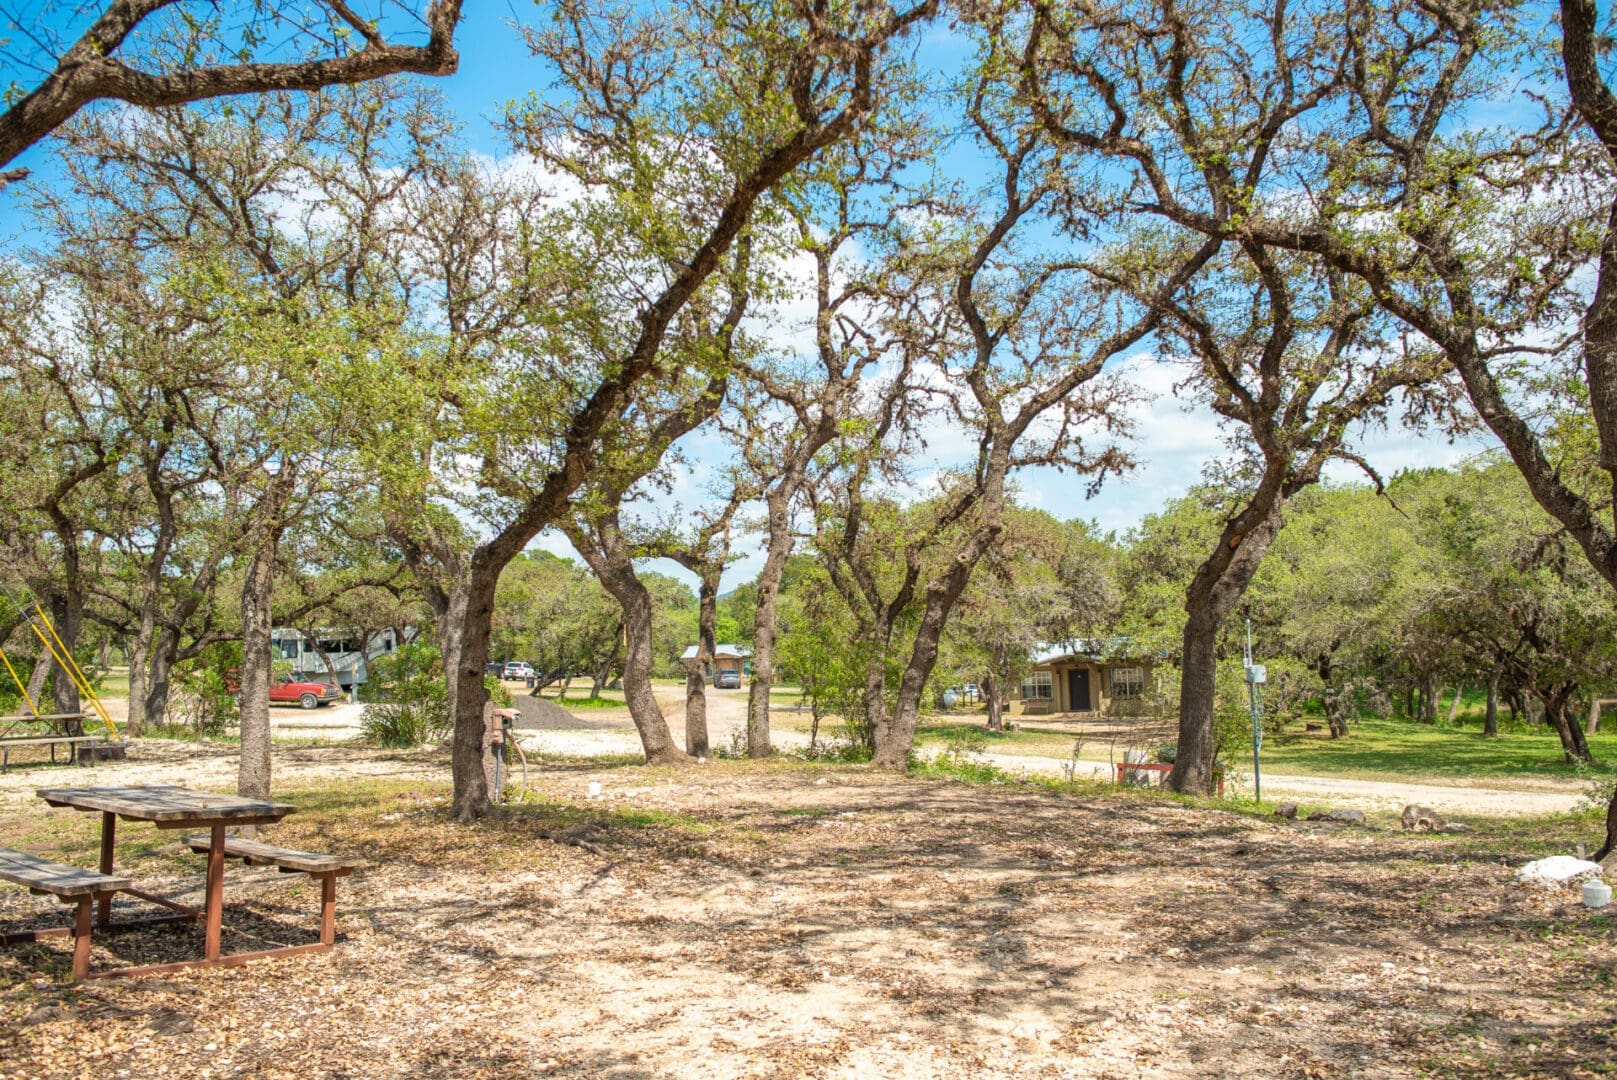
1256 676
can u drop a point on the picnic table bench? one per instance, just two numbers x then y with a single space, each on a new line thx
327 868
71 884
169 807
1123 767
66 729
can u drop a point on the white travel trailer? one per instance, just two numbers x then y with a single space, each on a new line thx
335 656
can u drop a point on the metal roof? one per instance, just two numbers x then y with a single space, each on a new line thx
738 651
1106 650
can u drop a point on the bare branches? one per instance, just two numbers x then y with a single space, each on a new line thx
92 69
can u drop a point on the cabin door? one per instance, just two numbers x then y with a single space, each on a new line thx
1078 689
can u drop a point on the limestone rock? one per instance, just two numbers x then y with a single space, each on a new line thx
1557 870
1423 819
1345 817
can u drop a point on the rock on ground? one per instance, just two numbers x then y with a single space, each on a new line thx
1346 817
1558 870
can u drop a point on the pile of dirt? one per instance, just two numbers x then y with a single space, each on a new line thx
542 714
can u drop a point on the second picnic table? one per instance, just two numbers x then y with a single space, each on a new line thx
172 807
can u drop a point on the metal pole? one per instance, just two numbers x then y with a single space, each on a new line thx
1257 744
1255 676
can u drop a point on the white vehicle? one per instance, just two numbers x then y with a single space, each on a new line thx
335 656
517 669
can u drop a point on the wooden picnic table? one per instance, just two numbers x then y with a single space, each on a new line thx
171 807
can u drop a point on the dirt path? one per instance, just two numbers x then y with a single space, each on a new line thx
727 719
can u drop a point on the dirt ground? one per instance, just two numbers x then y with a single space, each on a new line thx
610 731
786 920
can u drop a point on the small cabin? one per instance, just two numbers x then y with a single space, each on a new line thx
736 658
1084 677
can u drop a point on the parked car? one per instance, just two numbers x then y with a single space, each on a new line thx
495 668
517 669
289 690
727 680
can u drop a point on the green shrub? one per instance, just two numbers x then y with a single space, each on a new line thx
409 702
843 743
204 707
397 725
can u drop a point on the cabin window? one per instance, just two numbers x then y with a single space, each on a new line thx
1038 686
1128 682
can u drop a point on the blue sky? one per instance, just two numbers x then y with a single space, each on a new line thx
1171 444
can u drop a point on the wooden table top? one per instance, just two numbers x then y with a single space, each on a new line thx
167 803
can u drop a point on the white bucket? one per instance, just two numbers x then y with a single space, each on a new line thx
1596 894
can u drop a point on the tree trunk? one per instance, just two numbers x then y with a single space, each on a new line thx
878 720
603 674
1335 705
1428 698
67 612
763 623
942 592
1611 829
37 679
893 752
695 710
475 629
257 596
1198 679
257 620
449 627
1336 715
1490 716
138 656
996 713
1454 704
696 669
160 672
158 676
151 588
639 659
1558 713
1219 584
607 554
1591 725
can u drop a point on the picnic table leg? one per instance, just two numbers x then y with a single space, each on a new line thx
328 909
216 891
81 941
109 829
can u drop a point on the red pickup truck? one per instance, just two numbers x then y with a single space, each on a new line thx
310 695
289 690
